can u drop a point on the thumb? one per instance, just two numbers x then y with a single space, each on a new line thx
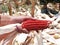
21 30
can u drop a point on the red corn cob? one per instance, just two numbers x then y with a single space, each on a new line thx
34 24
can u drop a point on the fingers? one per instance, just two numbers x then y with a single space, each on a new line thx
28 18
20 30
24 18
20 19
25 31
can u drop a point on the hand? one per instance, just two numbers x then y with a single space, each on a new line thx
33 24
20 29
6 19
20 19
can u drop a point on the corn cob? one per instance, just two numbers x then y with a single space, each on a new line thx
34 24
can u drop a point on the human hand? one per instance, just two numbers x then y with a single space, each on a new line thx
33 24
20 19
6 19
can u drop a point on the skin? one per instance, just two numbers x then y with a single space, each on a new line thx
6 20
